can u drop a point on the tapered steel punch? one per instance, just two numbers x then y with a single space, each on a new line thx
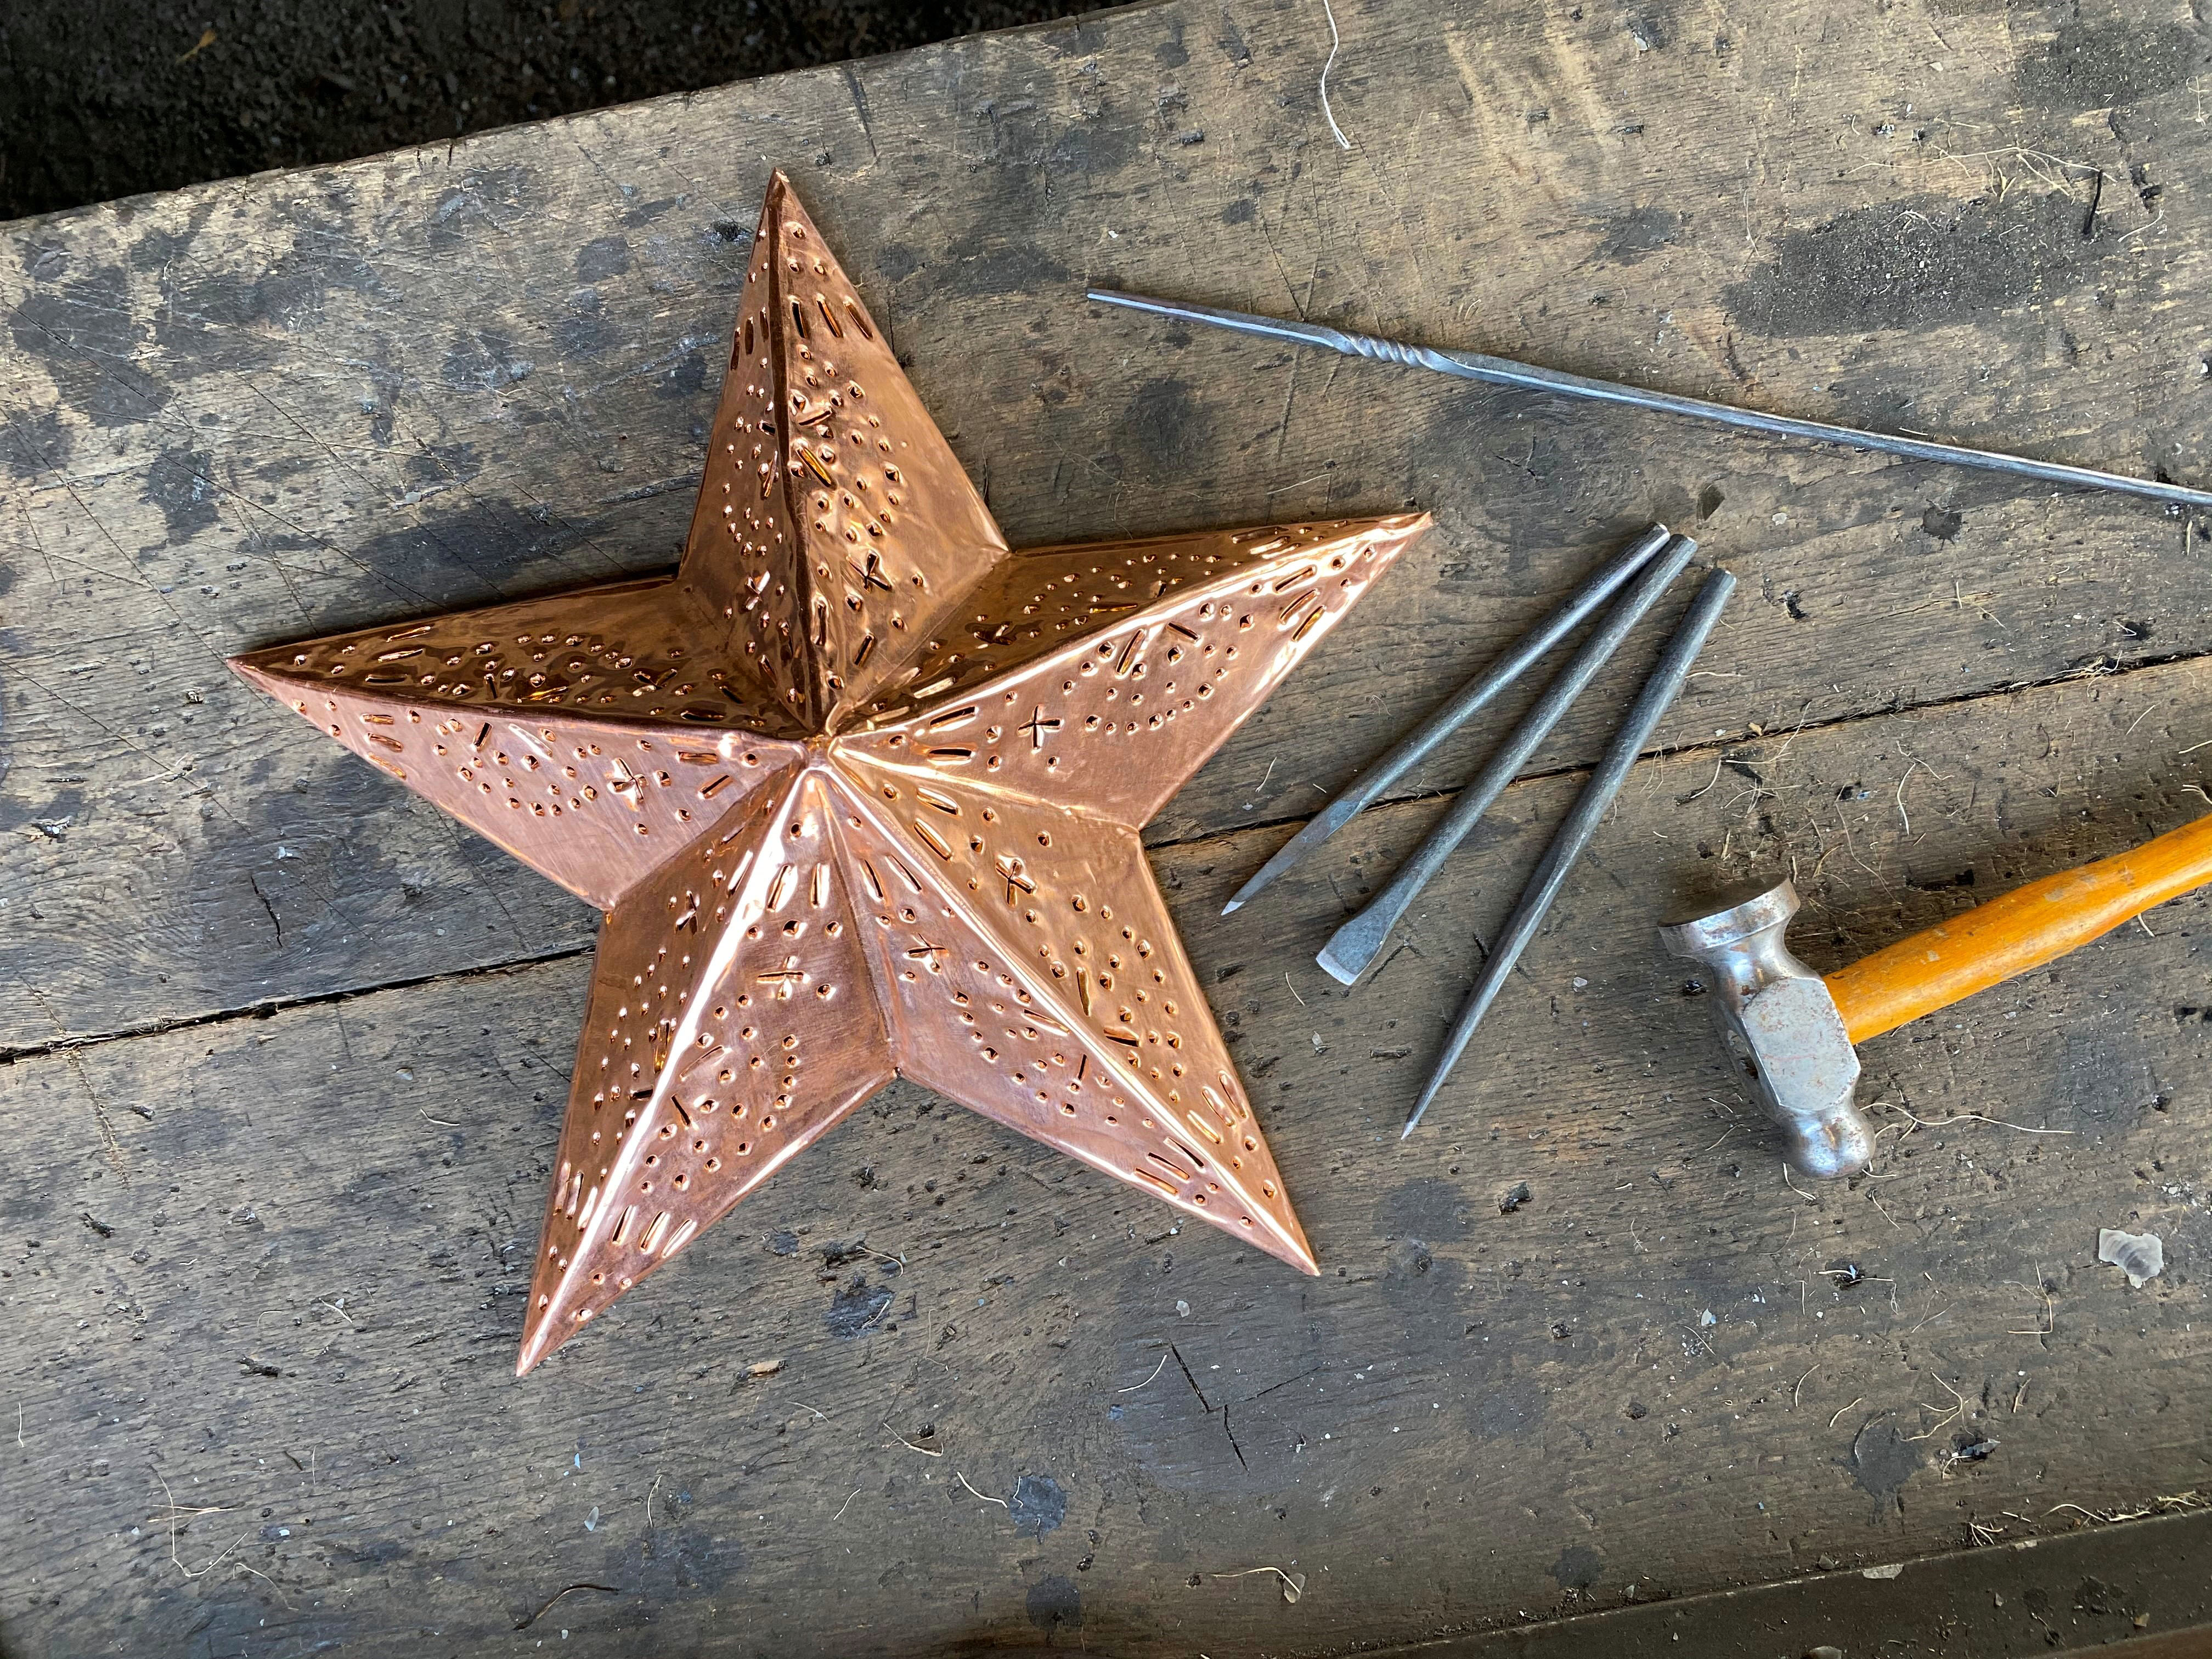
1456 710
1355 945
1660 689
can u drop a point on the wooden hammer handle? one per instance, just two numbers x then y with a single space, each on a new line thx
2021 930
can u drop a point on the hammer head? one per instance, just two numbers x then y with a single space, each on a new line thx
1781 1025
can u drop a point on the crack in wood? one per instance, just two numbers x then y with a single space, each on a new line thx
1208 1408
77 1043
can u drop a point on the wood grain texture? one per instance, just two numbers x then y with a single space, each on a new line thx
274 409
262 1262
277 1263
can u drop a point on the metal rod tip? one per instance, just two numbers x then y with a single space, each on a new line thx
1343 973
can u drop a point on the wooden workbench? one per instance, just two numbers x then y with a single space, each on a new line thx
283 1051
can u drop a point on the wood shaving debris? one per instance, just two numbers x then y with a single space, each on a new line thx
986 1497
1977 1117
1149 1380
1294 1584
570 1589
1335 44
927 1434
1946 1416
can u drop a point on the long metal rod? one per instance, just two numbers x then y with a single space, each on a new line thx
1502 370
1658 695
1456 710
1357 944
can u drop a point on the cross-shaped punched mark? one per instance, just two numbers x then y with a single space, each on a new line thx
1036 726
1010 872
784 979
871 574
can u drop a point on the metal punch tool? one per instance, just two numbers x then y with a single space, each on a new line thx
1660 689
1456 711
1355 945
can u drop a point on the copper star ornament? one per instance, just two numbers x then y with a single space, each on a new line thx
859 790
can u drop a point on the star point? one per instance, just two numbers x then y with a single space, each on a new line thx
859 790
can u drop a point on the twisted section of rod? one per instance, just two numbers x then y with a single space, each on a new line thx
1388 351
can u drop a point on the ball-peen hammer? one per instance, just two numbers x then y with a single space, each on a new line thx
1793 1030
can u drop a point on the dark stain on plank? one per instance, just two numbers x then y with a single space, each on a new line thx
1578 1568
601 258
1508 1407
82 329
1534 475
232 322
856 1307
436 466
181 483
1055 1603
2091 65
1882 1460
457 555
1942 523
1916 263
686 378
483 361
895 261
289 878
1162 428
63 313
584 332
1000 268
1038 1505
1651 28
1639 232
1427 1208
37 446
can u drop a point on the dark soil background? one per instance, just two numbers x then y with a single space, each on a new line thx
106 98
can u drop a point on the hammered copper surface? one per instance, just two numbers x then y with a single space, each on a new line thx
859 791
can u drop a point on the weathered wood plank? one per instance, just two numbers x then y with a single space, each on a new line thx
284 405
2098 1586
1472 1417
